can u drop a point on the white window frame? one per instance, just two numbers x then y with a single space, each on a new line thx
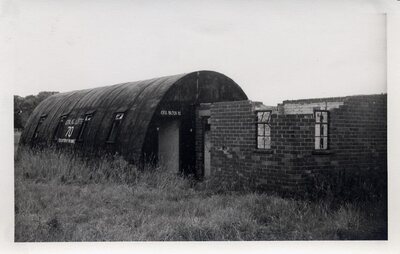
263 129
321 134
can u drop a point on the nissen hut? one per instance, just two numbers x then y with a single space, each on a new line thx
144 120
203 124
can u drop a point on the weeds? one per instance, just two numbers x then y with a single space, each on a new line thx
342 185
52 165
59 197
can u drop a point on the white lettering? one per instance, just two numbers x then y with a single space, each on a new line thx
66 140
170 113
69 132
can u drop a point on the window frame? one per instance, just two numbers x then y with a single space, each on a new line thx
327 148
266 123
40 122
61 120
85 123
115 127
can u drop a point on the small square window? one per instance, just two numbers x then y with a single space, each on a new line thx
84 127
88 118
60 127
112 136
36 132
119 116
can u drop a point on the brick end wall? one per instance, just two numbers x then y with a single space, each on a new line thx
357 139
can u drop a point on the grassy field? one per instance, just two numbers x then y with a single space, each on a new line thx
62 198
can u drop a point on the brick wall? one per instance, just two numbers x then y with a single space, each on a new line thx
308 107
357 140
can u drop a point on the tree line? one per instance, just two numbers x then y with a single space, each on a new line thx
24 106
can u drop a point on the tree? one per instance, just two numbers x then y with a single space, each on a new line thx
17 112
24 106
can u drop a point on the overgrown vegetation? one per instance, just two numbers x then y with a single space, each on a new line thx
349 185
24 106
59 197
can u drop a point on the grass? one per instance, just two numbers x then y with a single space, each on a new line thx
62 198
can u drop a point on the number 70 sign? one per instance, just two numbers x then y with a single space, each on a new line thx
69 132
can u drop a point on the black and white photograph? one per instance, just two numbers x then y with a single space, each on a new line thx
206 122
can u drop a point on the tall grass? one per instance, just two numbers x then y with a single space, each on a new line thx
60 197
53 165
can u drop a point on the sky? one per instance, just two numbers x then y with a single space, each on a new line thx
275 50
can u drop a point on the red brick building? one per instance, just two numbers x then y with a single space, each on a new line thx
244 143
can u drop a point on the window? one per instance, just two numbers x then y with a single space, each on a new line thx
112 136
83 129
60 127
36 133
321 129
263 129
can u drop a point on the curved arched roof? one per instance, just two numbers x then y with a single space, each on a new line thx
138 99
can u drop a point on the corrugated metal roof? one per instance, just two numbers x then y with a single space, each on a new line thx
138 99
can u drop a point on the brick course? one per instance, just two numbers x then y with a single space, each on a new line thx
357 139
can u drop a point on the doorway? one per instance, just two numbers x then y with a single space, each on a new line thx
168 145
207 154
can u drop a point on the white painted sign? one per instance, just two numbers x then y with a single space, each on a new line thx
170 112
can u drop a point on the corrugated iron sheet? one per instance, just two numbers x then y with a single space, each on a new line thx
139 100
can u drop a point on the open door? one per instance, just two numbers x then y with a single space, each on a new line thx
207 154
168 145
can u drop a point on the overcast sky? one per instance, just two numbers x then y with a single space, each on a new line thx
275 50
